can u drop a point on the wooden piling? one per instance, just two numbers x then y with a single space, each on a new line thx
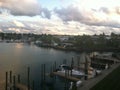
10 76
14 82
44 79
72 63
74 86
55 65
28 78
86 68
55 70
6 86
41 74
10 79
65 87
78 61
44 73
19 81
33 85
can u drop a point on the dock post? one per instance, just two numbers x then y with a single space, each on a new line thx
14 83
74 86
44 73
44 77
78 62
6 86
33 85
65 88
19 78
72 63
10 76
28 77
10 79
55 65
41 74
55 70
86 68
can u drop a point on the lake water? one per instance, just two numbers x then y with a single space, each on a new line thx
18 56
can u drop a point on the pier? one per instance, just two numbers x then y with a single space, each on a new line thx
70 78
105 60
22 87
13 82
92 82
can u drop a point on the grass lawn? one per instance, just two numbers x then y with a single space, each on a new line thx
111 82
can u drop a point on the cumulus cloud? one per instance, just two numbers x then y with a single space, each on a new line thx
88 16
55 26
81 17
118 10
21 7
105 10
46 13
69 13
18 24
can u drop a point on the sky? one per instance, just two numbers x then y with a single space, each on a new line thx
62 17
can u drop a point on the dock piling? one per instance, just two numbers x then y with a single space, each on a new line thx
72 63
14 82
19 81
28 77
33 85
6 86
86 68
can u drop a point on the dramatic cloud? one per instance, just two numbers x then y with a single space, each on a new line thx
118 10
46 13
74 17
69 13
18 24
21 7
88 16
105 10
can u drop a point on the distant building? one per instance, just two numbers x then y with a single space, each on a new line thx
108 37
38 42
63 38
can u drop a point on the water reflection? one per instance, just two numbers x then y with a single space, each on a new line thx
19 45
17 57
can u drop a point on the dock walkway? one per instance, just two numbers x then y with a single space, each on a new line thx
91 82
20 86
70 78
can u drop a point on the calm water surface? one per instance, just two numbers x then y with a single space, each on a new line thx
18 56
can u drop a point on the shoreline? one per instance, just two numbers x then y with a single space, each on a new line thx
81 49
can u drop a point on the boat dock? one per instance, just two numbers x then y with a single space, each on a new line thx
91 82
22 87
98 62
14 82
18 86
70 78
105 60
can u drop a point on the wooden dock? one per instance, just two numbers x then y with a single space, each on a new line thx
82 68
18 85
22 87
70 78
98 63
106 60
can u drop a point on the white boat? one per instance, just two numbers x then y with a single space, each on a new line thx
68 70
